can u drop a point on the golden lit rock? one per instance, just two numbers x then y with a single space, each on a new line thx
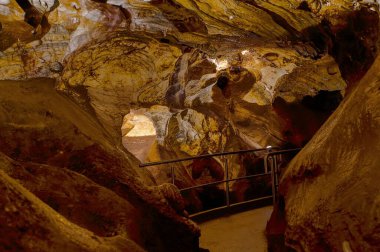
332 183
119 72
138 134
90 88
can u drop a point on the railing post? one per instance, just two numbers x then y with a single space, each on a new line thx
172 173
273 161
269 150
273 176
274 171
266 164
227 182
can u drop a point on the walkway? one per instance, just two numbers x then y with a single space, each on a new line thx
239 232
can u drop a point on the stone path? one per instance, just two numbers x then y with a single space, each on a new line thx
236 233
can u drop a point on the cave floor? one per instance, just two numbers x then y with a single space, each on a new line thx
238 232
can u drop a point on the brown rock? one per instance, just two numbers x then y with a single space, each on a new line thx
59 133
330 188
28 224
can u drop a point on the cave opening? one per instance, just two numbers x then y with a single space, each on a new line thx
138 134
122 120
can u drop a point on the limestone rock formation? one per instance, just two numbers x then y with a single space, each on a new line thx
114 77
331 188
69 161
210 76
282 45
28 224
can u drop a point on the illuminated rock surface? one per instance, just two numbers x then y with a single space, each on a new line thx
331 188
71 163
210 76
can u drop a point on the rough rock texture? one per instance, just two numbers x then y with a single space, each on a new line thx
113 216
210 75
29 225
70 162
168 53
120 71
331 188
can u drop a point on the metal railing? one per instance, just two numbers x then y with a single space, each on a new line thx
273 157
273 161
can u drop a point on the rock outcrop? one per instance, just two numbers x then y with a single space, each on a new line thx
168 53
211 76
28 224
67 159
118 71
331 188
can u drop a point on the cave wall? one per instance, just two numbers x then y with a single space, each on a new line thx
331 188
163 52
211 75
28 225
64 156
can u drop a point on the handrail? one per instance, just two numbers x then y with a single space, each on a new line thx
283 151
271 159
271 167
224 181
205 156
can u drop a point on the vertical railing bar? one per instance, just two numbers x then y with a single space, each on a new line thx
275 168
227 182
273 179
173 176
266 164
269 150
272 163
278 175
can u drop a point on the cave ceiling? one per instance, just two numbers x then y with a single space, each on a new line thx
117 55
210 76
